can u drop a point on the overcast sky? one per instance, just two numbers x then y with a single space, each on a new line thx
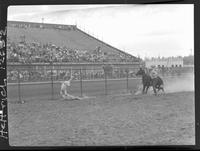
145 30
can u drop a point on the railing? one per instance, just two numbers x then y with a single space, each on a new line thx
45 81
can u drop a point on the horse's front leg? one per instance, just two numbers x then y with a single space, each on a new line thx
147 89
143 88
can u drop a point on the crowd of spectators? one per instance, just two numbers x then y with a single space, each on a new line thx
30 53
27 53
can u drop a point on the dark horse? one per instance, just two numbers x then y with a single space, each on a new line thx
147 81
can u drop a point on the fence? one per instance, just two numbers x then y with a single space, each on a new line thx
44 83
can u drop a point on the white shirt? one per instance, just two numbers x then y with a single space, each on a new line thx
154 73
64 86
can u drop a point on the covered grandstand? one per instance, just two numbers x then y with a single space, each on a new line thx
63 37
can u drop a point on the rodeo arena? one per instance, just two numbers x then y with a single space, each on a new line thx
68 88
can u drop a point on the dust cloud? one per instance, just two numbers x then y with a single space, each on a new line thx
179 84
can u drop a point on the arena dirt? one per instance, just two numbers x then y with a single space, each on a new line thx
113 120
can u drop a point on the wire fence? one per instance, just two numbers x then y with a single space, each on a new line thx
44 82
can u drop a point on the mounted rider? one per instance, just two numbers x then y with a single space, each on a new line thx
154 75
153 72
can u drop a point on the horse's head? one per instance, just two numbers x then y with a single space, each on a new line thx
140 72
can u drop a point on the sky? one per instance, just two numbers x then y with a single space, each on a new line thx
141 30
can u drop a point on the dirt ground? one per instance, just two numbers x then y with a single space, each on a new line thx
113 120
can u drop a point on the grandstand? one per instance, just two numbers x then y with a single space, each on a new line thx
63 36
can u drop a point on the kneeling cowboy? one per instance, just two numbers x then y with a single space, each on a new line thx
63 90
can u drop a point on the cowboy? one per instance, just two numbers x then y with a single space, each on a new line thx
153 73
63 90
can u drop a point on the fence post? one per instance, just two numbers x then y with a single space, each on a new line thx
127 72
106 89
19 87
81 82
57 77
52 90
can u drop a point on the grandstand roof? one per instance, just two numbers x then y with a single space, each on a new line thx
60 35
